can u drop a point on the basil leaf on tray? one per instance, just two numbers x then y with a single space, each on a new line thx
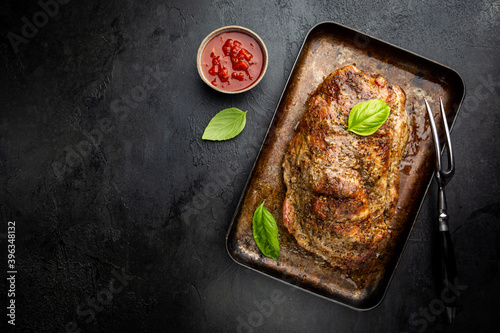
265 232
225 125
367 117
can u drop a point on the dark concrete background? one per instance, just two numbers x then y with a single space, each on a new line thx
98 188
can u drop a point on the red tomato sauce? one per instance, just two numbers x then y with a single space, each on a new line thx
232 61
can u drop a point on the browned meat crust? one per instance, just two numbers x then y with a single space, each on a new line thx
342 188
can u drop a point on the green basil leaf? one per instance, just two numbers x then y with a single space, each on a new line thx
265 232
366 118
225 125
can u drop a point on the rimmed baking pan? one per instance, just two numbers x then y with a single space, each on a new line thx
329 46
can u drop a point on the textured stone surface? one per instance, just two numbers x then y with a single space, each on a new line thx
98 188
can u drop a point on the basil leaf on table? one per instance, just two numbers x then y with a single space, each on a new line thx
265 232
366 118
225 125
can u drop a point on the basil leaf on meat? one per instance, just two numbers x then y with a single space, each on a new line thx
225 125
367 117
265 232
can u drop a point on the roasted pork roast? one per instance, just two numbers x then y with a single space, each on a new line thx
342 188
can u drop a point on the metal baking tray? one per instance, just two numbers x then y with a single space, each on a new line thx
327 47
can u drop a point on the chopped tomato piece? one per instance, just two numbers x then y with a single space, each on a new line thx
228 45
244 54
240 66
214 70
223 74
235 51
238 76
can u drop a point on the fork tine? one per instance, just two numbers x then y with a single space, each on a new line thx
451 161
435 136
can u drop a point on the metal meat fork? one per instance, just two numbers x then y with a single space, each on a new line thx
448 263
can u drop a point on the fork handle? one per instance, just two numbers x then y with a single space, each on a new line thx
448 262
448 275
